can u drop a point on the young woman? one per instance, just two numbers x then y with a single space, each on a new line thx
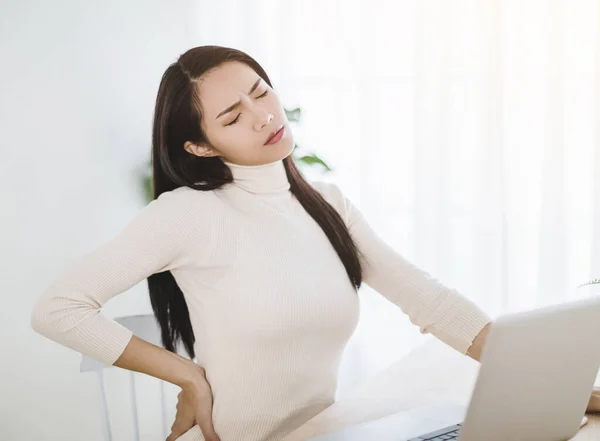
252 268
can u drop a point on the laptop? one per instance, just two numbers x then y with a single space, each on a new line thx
536 376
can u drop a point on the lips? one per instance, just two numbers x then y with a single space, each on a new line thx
272 135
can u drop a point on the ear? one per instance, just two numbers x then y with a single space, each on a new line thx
199 149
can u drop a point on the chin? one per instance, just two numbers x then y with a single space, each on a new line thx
280 150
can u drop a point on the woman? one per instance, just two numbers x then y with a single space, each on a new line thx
253 269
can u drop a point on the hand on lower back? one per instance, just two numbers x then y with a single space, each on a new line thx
194 406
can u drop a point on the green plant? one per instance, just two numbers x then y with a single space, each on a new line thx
591 282
302 160
311 159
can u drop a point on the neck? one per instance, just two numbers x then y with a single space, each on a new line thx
260 179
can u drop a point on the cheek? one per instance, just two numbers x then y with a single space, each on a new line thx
275 101
239 138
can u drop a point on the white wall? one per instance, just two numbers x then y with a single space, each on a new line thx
78 80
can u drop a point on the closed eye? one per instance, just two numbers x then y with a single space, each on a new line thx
237 117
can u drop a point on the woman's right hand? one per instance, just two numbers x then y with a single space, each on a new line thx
194 406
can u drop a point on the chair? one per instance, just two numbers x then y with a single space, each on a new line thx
143 326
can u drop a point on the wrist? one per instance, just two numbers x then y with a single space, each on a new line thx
194 375
188 371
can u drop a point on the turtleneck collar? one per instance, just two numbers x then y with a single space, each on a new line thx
264 178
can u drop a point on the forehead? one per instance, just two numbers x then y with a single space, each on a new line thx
221 87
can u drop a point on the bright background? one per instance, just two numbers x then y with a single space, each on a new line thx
468 132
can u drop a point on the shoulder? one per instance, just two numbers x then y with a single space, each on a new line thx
333 194
183 200
182 211
183 193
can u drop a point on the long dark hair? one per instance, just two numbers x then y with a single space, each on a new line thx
177 119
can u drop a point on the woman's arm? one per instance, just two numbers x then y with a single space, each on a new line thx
142 356
434 307
160 238
477 347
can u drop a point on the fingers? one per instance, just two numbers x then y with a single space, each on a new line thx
177 430
204 414
206 424
181 425
194 406
208 435
173 436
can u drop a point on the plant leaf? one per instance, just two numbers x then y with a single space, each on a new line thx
293 115
591 282
312 160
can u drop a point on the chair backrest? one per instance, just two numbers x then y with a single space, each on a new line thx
145 327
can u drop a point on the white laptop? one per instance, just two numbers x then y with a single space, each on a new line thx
537 372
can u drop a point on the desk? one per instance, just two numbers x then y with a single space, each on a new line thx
431 372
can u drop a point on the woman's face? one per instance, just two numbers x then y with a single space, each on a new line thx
238 134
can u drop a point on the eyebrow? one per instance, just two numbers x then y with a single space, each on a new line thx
237 103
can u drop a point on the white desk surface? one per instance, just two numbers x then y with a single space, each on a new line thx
432 372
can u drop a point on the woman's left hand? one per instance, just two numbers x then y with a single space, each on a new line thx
594 403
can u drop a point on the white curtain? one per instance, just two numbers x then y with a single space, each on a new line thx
468 132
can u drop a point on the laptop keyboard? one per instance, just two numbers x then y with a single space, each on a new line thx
450 432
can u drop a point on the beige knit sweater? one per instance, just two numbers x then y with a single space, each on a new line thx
270 302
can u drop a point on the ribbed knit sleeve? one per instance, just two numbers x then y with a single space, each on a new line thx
69 310
434 307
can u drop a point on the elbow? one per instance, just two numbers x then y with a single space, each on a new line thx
49 316
57 315
40 315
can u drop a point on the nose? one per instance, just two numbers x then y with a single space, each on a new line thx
264 118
